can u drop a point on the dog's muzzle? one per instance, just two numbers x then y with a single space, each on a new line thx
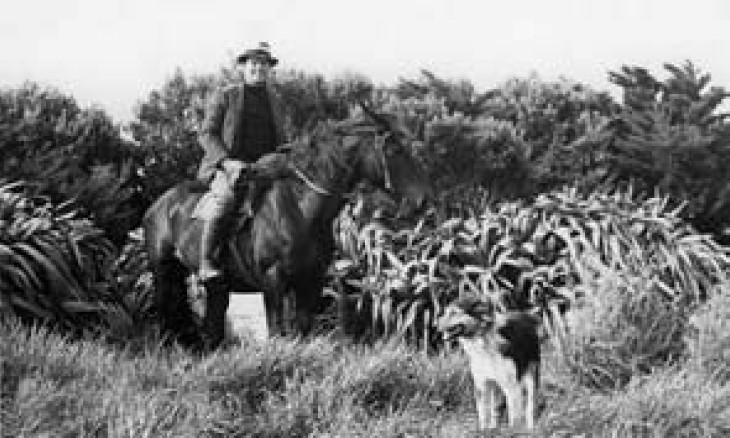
451 331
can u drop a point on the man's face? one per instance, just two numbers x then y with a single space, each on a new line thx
255 71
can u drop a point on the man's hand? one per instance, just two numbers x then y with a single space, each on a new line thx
234 168
273 166
270 166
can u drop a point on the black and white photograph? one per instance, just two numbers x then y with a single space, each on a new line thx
356 219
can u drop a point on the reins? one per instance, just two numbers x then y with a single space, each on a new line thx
379 145
311 184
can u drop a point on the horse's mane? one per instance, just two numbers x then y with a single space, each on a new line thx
323 153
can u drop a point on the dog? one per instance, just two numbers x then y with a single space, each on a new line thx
503 349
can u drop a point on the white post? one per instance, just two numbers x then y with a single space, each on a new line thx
246 316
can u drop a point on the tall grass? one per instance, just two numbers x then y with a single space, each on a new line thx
324 387
643 349
282 388
708 336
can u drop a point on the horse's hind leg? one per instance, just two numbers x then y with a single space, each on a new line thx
171 301
274 301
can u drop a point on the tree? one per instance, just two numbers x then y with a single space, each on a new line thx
670 136
458 96
166 129
525 136
310 98
69 153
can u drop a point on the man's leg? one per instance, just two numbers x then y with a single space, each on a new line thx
214 283
210 272
213 229
211 237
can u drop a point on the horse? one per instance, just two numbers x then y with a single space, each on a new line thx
288 244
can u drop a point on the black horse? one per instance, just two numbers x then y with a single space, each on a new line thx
288 244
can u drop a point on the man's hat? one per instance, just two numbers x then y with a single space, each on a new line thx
263 51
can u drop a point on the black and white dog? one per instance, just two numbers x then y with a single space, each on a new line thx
504 352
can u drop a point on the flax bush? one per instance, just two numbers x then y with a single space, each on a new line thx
548 254
58 268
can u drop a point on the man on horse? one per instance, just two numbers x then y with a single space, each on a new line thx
242 124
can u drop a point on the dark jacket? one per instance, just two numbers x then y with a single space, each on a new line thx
221 128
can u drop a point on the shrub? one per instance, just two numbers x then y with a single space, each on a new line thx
544 254
623 329
70 153
483 151
166 129
560 124
56 265
308 99
708 339
668 403
670 136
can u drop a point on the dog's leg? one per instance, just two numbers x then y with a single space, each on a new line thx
531 381
481 398
493 390
515 401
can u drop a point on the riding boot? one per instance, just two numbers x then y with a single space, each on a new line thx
217 297
211 236
247 204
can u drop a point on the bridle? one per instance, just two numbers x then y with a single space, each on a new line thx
380 148
311 184
380 141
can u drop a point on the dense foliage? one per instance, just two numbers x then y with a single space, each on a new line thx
548 254
669 136
642 173
70 153
548 194
57 267
166 128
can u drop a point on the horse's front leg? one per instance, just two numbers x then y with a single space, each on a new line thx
217 298
274 301
308 299
171 301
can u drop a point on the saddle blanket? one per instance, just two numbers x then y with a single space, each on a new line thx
207 207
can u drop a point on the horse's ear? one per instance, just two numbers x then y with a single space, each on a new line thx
377 118
385 123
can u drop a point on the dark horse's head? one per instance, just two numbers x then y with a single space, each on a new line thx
338 156
391 164
385 158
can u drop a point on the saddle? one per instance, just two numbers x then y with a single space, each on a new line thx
250 188
251 194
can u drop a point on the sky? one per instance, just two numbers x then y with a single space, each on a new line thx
112 53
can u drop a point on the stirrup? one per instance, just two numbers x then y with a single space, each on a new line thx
205 276
214 283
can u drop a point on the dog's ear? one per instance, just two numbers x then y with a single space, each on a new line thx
477 308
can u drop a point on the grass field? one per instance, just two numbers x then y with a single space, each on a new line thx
324 387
